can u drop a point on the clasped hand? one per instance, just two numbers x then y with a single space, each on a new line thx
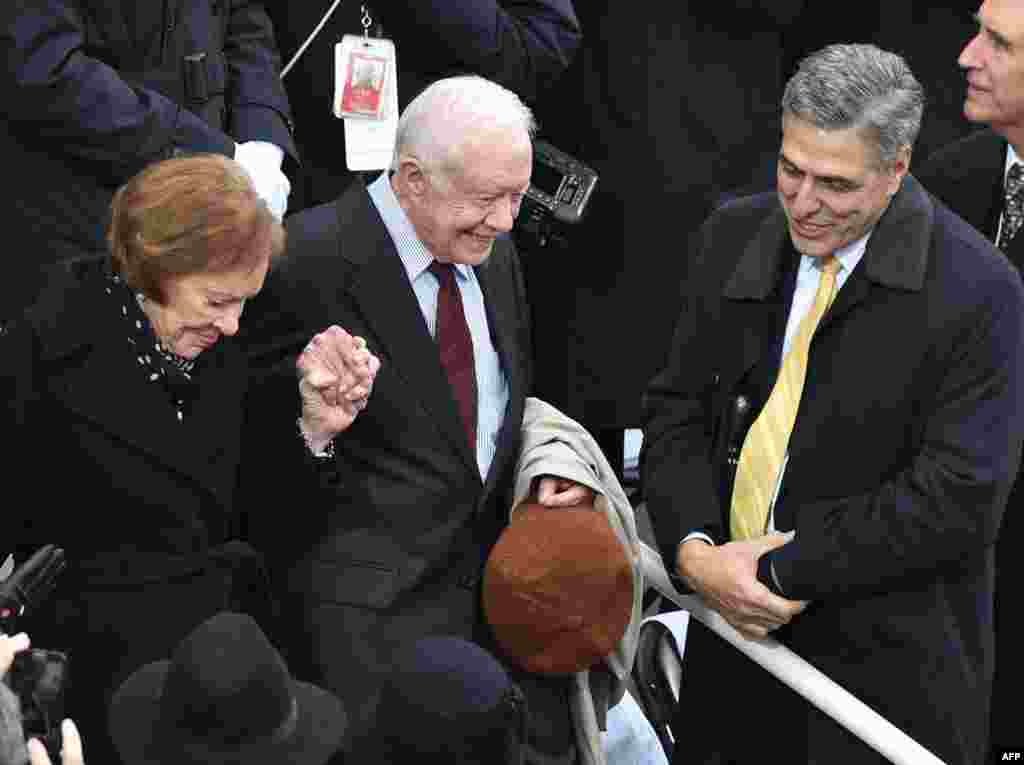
725 576
336 375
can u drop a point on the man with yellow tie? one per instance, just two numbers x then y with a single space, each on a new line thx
830 446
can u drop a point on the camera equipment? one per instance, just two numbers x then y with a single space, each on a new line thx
38 677
560 188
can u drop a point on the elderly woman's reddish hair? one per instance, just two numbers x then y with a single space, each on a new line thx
188 215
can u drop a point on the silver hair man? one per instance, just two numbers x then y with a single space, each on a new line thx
433 125
863 87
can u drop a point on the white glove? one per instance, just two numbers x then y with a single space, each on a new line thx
262 160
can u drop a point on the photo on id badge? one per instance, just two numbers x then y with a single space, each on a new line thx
364 85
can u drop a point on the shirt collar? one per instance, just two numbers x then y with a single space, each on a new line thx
848 255
413 253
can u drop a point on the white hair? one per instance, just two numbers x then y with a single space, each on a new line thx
437 123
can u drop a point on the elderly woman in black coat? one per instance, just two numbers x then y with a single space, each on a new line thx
123 412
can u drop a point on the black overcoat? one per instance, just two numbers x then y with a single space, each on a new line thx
968 177
97 462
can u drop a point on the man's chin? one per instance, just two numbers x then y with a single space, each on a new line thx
474 251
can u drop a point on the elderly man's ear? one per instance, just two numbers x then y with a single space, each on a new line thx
412 176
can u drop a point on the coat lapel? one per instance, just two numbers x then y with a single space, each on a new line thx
754 296
896 256
379 289
974 189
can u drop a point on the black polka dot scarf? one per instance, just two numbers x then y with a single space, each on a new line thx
176 375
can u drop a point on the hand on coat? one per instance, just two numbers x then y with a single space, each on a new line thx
725 576
553 491
336 374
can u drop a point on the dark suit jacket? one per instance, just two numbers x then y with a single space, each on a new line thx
408 517
97 462
968 177
900 461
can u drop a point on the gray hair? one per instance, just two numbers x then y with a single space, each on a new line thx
436 123
12 737
863 87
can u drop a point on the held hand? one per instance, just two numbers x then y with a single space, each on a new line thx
553 491
70 752
725 577
336 374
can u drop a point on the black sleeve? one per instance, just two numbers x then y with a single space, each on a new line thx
80 106
259 106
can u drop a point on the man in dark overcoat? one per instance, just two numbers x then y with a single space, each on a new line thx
832 443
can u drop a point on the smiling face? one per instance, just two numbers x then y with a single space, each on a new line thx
994 60
458 214
199 308
830 185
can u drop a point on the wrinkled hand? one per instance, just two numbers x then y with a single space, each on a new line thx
70 751
725 576
336 374
553 491
262 160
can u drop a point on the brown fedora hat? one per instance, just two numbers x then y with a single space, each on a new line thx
558 589
225 696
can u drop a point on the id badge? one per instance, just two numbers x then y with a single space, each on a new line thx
370 141
364 70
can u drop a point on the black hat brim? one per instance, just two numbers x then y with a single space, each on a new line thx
135 715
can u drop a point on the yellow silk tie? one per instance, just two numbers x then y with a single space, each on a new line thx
767 441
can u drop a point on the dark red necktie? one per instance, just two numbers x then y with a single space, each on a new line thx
456 347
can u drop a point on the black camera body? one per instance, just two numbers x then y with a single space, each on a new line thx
558 195
39 679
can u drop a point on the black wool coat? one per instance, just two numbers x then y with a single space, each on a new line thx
968 177
97 462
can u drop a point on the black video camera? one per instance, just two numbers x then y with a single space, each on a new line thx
560 188
38 677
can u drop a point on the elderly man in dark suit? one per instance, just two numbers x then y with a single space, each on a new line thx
831 446
980 178
419 266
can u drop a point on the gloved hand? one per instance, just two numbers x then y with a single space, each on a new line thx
262 160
